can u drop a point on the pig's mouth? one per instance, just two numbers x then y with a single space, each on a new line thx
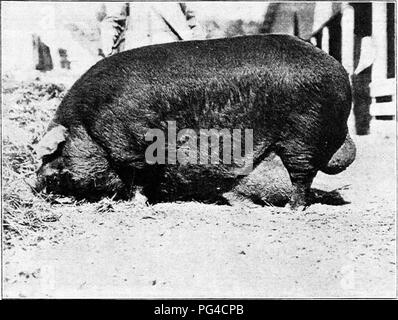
60 183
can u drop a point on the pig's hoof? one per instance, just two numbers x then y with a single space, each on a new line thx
299 200
295 207
246 205
235 200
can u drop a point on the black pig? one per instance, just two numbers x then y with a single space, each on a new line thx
295 98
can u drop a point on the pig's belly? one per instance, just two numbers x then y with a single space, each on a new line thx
196 182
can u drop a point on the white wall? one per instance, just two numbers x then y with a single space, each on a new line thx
22 19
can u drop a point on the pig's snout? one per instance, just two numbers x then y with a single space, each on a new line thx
46 176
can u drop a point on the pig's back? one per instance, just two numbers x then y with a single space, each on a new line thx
252 81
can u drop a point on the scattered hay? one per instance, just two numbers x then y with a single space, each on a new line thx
105 205
27 110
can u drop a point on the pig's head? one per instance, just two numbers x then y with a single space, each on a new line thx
74 165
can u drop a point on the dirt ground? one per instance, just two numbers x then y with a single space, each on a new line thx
130 250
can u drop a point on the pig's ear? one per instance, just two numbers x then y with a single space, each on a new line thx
49 143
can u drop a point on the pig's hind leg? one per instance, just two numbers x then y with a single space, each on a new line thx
300 162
